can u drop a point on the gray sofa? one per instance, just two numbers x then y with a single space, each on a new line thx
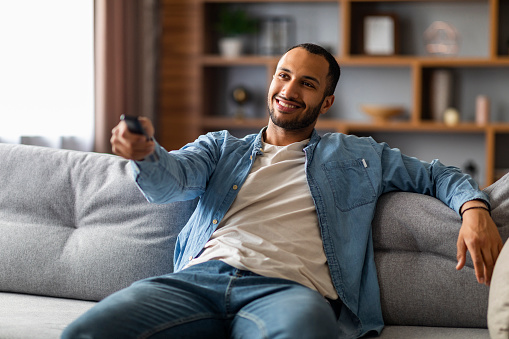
74 228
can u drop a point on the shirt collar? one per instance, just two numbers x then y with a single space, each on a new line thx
315 138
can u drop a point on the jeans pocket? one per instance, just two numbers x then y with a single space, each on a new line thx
350 183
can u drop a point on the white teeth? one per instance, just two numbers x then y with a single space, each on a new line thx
287 105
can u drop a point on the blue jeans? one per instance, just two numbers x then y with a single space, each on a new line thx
209 300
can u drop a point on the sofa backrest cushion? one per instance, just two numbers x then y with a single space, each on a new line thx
415 252
74 224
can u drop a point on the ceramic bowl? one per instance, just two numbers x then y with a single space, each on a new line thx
382 113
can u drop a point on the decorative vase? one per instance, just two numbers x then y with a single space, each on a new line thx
482 110
441 93
230 47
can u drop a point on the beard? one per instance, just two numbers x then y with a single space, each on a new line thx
302 122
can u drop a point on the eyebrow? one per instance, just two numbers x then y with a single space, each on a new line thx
305 76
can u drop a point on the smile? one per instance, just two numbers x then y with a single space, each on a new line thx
286 106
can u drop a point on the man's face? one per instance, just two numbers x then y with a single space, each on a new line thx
296 94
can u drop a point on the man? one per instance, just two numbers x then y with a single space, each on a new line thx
280 244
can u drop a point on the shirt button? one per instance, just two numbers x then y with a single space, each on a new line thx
235 187
214 221
190 258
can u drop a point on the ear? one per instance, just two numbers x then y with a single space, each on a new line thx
327 103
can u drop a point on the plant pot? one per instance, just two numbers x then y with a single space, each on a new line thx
231 47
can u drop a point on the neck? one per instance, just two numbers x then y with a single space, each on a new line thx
278 136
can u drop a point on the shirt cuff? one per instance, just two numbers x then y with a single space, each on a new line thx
148 163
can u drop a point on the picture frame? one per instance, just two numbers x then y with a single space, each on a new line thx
380 34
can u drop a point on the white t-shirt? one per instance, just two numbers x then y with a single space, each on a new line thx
272 226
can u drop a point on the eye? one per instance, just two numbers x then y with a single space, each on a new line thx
308 84
283 76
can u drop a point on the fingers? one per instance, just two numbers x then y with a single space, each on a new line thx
484 252
481 270
480 266
483 264
147 126
129 145
461 253
490 259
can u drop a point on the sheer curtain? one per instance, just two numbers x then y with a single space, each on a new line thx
46 73
69 69
126 56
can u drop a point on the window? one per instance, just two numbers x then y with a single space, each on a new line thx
47 72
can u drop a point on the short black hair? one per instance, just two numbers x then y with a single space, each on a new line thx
334 69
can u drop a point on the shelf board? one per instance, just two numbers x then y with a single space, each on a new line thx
412 0
339 1
423 61
365 60
258 1
461 62
500 127
352 126
368 60
424 127
244 60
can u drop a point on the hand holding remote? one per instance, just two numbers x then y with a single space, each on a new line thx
132 138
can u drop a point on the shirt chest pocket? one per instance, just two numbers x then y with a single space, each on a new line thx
350 183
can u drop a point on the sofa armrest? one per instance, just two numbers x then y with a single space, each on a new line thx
498 307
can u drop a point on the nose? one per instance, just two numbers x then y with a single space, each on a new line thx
291 90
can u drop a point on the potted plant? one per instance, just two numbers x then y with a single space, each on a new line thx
233 26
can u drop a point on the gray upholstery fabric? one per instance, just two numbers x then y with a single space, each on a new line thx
423 332
415 252
28 316
499 195
498 308
75 225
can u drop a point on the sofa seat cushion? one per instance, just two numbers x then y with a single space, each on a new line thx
423 332
25 316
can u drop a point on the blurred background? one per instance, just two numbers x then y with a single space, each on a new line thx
428 77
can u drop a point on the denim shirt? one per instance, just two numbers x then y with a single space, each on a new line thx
346 175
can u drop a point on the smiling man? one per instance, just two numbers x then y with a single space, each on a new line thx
280 244
301 90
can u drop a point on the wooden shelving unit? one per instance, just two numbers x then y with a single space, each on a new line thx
215 72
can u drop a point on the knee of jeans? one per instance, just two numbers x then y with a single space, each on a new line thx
304 315
96 322
320 312
83 329
76 331
310 326
313 318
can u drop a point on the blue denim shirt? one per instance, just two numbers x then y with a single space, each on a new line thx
346 175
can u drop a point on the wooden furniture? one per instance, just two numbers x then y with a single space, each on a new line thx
197 82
